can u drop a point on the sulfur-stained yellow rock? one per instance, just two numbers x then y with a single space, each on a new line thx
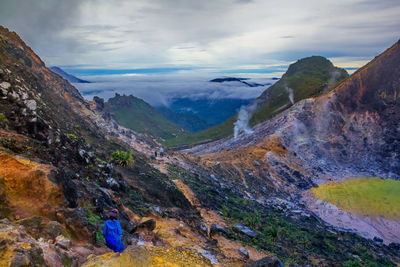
149 257
27 189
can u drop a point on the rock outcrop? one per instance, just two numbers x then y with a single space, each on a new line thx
18 248
27 188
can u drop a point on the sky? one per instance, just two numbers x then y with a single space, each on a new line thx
237 37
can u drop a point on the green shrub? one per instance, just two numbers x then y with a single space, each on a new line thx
99 236
92 218
273 231
100 161
253 220
353 263
72 136
122 158
2 117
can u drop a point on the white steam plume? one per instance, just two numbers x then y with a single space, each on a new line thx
290 93
334 77
242 123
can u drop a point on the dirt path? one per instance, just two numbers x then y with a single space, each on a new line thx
210 217
228 247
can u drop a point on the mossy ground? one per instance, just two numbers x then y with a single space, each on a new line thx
367 196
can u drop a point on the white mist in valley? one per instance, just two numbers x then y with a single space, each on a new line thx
158 90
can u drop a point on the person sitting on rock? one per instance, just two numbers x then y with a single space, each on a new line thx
112 232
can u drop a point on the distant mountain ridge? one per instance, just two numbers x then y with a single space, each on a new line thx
187 121
241 80
69 77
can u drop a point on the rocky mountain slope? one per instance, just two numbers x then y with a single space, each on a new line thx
353 128
59 179
353 131
57 174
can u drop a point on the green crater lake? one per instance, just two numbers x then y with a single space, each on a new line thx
366 196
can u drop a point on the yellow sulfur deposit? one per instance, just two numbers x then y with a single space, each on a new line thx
149 257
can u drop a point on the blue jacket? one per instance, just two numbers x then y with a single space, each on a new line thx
112 232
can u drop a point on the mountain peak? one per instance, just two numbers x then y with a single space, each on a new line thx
307 77
12 43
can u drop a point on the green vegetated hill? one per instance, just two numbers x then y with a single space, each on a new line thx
187 121
308 77
136 114
216 132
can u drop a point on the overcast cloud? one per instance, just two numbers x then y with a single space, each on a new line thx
220 34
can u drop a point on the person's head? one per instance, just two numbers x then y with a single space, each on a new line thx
113 215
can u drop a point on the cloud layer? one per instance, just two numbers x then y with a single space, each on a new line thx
222 34
158 89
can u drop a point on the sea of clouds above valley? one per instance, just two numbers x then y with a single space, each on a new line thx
160 89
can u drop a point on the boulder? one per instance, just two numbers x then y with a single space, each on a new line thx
28 257
266 262
244 252
32 224
52 229
112 183
203 228
148 225
31 104
4 86
106 195
217 229
63 242
246 230
20 260
5 221
77 223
